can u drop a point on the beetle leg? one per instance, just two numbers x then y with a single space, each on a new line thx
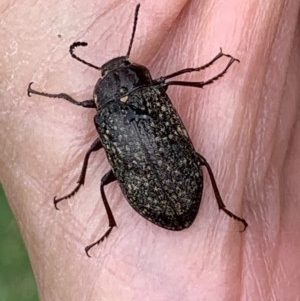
201 84
108 178
86 103
217 194
96 145
162 80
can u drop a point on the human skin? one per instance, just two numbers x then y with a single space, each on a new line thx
246 125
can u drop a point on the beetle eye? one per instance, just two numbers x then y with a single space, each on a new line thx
104 73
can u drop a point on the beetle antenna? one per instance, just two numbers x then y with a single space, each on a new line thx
81 44
134 29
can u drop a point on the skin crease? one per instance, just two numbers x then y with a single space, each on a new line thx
245 125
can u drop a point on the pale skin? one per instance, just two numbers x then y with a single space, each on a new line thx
245 125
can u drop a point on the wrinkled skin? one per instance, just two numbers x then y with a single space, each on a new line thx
245 125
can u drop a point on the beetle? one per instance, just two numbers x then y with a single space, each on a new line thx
149 150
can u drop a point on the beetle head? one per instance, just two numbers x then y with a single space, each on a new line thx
120 79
